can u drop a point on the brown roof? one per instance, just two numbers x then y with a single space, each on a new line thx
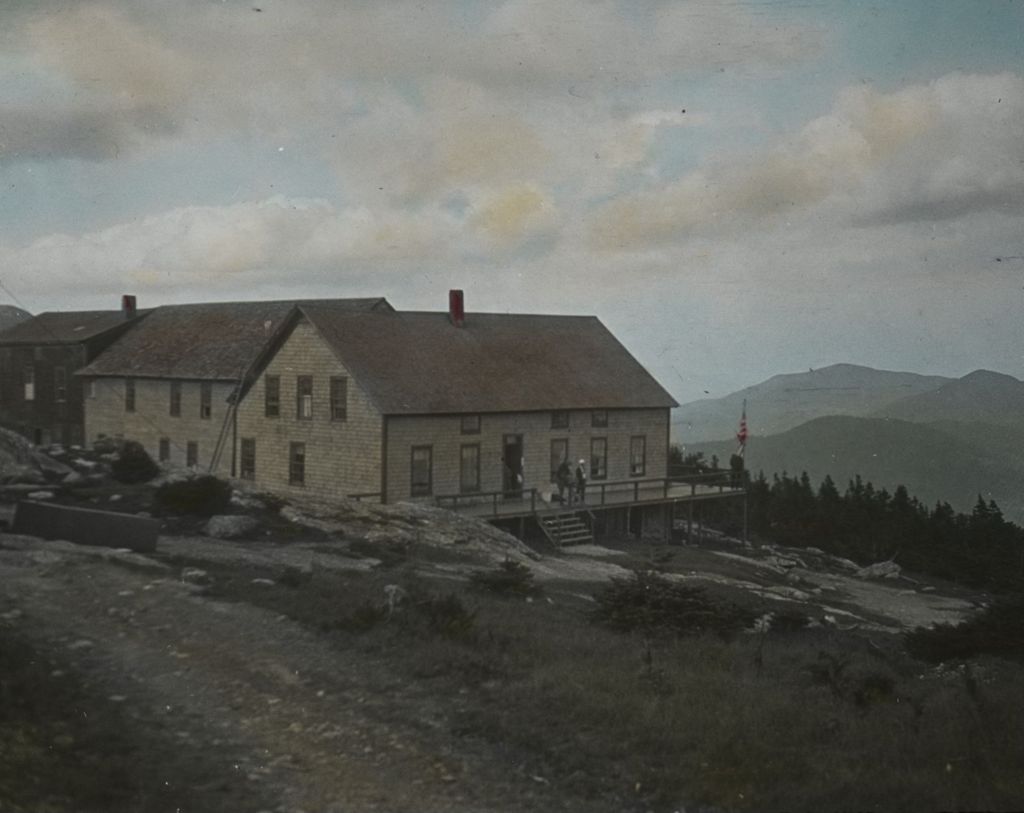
419 363
64 327
212 341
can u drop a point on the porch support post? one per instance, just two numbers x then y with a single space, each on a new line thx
745 539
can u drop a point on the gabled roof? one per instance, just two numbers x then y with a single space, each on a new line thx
419 363
65 327
212 341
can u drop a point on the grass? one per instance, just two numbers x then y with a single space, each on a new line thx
65 748
809 719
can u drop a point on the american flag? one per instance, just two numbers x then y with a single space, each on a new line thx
741 436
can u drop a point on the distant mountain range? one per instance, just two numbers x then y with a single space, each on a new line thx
786 401
944 439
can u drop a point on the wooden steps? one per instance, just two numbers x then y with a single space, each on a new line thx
567 528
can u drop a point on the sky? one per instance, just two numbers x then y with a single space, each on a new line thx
737 189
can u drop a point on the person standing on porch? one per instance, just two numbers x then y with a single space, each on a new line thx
563 480
581 481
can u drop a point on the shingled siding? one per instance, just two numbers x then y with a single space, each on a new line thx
443 434
342 457
105 415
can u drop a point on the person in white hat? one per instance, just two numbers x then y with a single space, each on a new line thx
581 480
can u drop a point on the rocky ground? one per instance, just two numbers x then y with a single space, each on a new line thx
147 690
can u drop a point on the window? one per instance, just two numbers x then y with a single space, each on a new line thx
247 467
29 377
637 455
339 399
470 425
421 475
559 455
272 396
297 464
92 387
192 454
205 399
560 420
175 405
304 397
129 395
165 450
60 384
469 468
599 418
598 458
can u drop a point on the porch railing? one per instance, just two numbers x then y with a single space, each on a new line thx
598 493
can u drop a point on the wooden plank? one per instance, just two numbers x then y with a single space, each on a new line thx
86 526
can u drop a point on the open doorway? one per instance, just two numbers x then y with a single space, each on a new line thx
512 465
636 522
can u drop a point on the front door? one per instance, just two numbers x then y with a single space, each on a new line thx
512 465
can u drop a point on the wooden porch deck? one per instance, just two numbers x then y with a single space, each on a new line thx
599 496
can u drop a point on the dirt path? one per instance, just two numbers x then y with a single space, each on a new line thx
239 706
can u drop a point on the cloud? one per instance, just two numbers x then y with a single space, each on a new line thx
934 151
238 245
514 215
105 86
158 69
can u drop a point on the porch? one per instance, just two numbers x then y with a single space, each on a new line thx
599 495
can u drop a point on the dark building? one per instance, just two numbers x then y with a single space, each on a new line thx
40 397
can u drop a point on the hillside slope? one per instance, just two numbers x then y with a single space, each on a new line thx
943 461
10 316
981 396
786 401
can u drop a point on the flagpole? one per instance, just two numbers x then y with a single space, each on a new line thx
741 436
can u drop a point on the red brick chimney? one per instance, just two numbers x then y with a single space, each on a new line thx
456 308
128 305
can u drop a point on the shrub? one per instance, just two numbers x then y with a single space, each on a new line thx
998 630
365 617
447 616
649 603
510 578
203 496
789 620
133 464
295 577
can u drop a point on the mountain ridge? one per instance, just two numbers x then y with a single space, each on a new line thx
787 400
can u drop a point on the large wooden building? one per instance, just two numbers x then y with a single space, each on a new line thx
40 397
351 398
172 383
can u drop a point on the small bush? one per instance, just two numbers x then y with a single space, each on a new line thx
789 620
447 616
510 578
294 577
649 603
999 630
133 464
202 496
363 618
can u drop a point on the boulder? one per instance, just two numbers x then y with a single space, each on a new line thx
879 570
230 526
21 463
11 473
195 575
